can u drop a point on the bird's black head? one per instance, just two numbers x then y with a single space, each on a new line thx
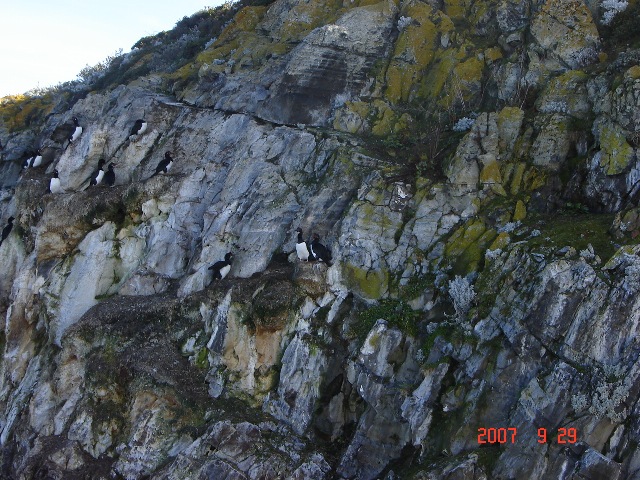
299 230
75 121
11 219
112 165
316 236
100 162
167 155
228 257
55 174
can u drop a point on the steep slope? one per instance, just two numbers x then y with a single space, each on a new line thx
473 167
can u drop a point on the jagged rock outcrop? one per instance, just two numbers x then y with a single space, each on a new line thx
473 168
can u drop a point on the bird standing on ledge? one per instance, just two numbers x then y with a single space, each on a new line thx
302 248
110 176
97 175
221 268
165 165
138 128
77 130
54 183
319 251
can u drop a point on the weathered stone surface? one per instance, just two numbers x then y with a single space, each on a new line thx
567 31
451 155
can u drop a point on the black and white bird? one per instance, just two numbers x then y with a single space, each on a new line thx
77 130
34 159
67 132
29 160
37 159
319 251
97 175
302 249
221 268
138 128
165 165
54 183
7 230
110 176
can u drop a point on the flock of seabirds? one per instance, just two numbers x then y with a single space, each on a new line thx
306 251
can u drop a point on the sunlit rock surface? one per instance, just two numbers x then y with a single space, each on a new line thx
473 169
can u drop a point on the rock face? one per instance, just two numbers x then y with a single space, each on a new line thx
473 168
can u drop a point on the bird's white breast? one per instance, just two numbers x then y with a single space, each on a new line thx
168 167
143 128
225 270
37 161
54 185
302 251
99 177
76 133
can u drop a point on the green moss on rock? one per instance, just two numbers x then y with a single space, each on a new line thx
370 284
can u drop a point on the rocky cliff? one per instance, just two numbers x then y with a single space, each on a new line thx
474 168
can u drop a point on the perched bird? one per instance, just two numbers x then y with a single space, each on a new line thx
67 132
302 249
97 175
165 165
7 230
77 130
29 160
110 176
138 128
37 160
319 251
34 159
221 268
54 183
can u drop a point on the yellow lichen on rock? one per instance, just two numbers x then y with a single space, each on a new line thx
246 20
502 240
490 173
566 28
352 117
370 284
414 50
520 212
517 176
633 73
455 9
493 54
469 75
465 249
294 24
616 153
509 124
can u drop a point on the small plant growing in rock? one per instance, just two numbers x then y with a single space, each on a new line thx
555 107
611 9
611 389
464 124
404 22
462 294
